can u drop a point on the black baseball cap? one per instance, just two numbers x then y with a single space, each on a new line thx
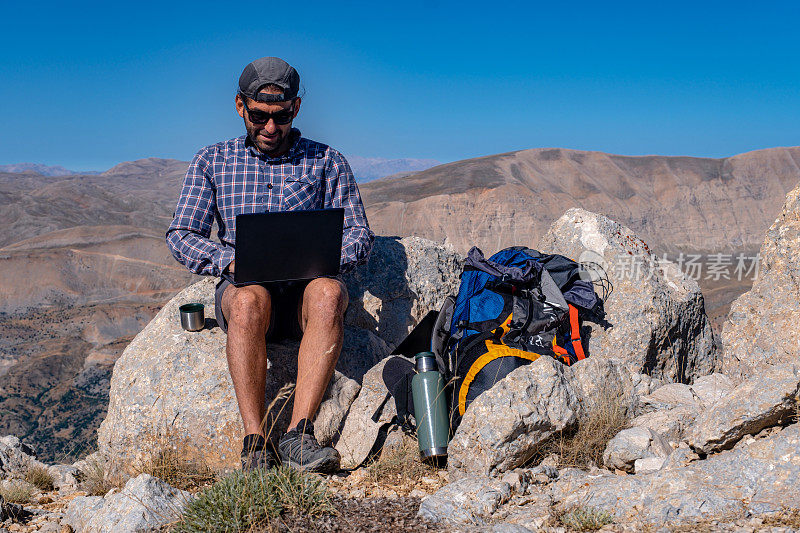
267 71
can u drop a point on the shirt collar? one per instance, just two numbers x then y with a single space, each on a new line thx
294 147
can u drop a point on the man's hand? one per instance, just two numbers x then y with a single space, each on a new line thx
230 267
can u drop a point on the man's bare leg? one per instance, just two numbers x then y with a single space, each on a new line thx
247 310
322 319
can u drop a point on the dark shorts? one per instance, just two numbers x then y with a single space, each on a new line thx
284 323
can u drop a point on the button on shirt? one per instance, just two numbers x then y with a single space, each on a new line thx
232 177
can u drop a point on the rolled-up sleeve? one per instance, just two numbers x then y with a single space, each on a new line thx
342 191
188 237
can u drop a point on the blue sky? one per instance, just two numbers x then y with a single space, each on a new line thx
87 85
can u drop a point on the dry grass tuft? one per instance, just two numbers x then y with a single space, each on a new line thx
583 447
173 460
583 518
17 492
98 479
400 468
39 477
785 518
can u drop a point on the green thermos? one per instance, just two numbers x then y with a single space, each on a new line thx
430 409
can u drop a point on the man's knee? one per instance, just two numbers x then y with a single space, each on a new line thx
247 306
326 299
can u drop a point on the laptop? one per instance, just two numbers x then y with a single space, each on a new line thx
287 245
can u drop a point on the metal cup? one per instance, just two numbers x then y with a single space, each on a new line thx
192 316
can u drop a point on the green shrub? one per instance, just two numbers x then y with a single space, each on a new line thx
301 493
245 500
584 518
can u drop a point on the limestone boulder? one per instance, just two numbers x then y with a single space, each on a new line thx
469 500
604 383
16 457
758 477
763 326
504 426
632 445
768 400
170 384
672 408
144 504
403 280
656 318
710 389
371 411
670 424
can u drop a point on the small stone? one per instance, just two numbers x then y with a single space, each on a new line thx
514 480
50 527
648 464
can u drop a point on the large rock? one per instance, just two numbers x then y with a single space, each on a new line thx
670 424
657 320
174 384
370 412
469 500
633 444
763 326
144 504
505 425
403 280
671 409
760 476
16 457
603 384
770 399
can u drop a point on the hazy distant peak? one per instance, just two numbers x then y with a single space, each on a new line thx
150 165
38 168
370 168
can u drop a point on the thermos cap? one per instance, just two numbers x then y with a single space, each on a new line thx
426 362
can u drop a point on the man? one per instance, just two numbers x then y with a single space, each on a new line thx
271 168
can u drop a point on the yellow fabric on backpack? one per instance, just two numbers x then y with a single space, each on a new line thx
493 351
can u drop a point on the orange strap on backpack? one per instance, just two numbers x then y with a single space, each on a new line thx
575 329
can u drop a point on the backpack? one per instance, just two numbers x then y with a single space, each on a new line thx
511 309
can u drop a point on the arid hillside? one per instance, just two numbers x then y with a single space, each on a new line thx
674 203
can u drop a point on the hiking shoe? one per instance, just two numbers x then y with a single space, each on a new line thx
299 449
256 454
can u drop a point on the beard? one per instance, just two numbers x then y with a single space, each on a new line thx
270 145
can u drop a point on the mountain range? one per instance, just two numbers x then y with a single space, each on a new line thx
371 168
37 168
364 168
674 203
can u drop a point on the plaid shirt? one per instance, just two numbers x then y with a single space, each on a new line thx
233 177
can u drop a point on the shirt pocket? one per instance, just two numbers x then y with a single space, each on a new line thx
302 193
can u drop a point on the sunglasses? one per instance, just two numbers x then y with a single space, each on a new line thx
262 117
